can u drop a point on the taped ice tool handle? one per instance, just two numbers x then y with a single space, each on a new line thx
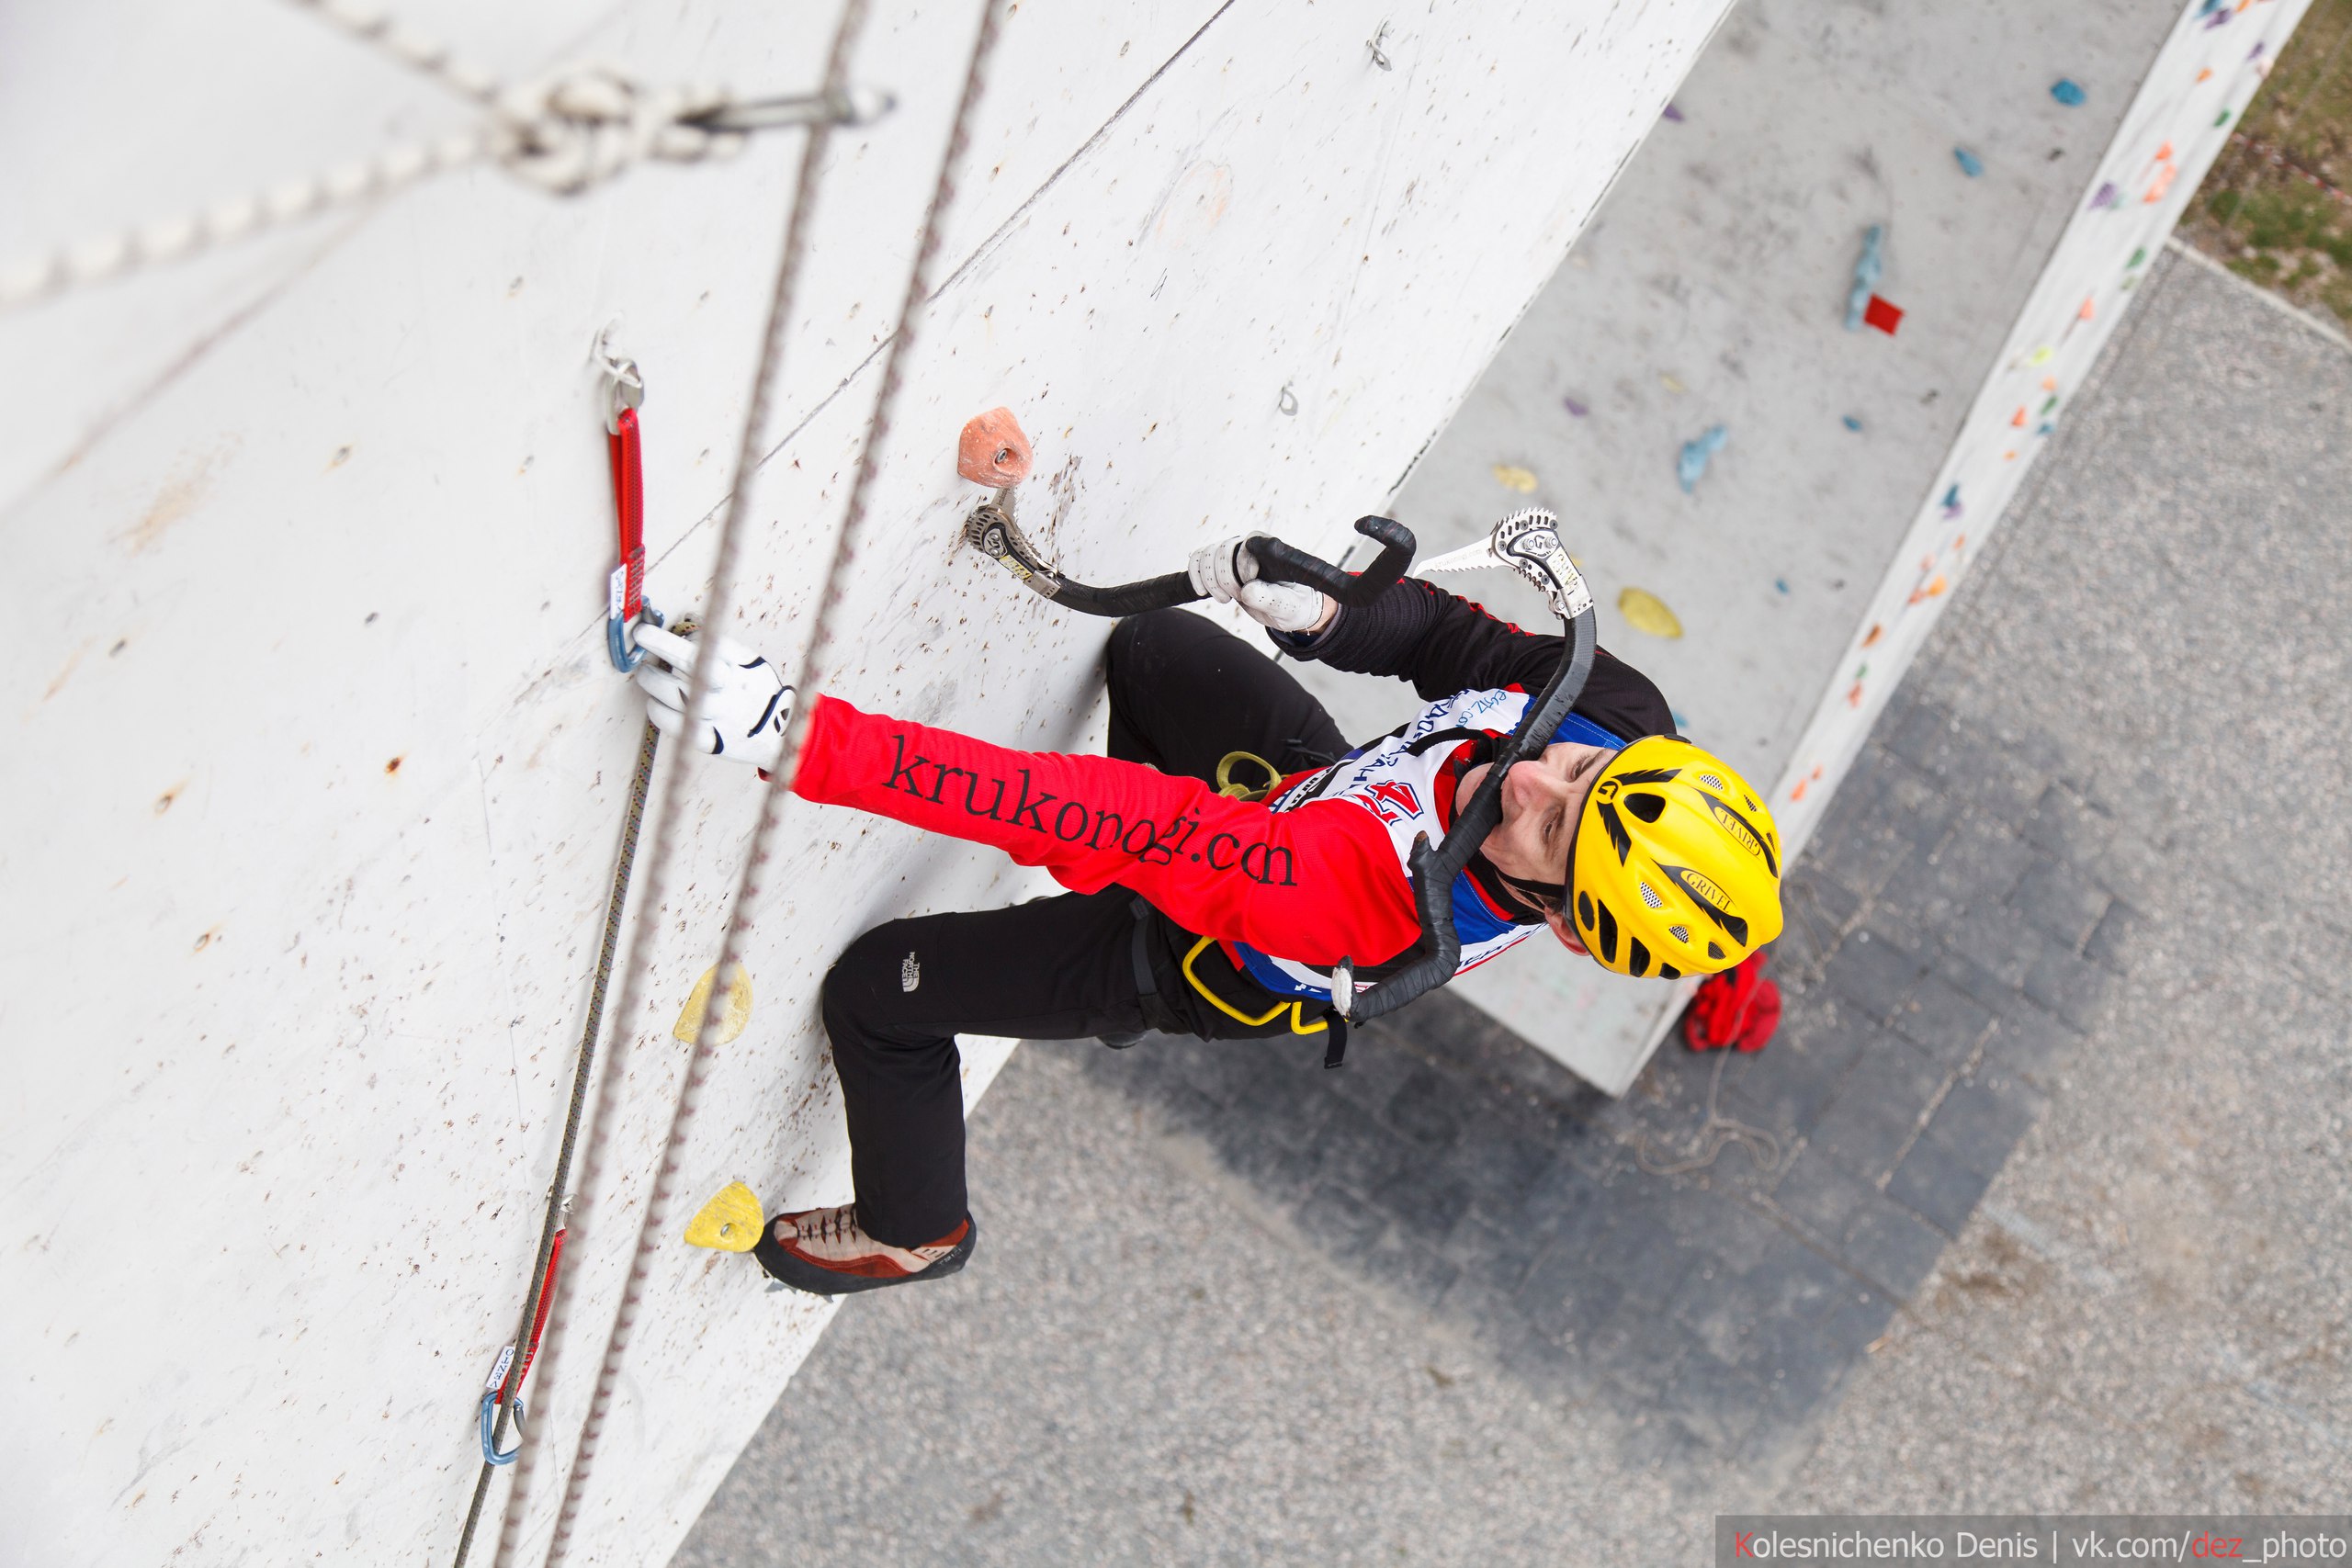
1278 562
1438 953
992 532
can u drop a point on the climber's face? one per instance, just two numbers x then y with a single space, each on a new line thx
1543 802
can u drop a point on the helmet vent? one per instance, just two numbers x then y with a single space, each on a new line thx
1679 933
1584 911
1647 807
1713 952
1713 783
1608 932
1637 958
1668 971
1649 896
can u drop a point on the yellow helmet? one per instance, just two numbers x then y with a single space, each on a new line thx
1676 868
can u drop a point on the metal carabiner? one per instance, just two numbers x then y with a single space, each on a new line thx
626 388
628 391
490 1454
620 639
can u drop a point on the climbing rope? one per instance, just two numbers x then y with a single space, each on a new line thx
574 128
815 666
1716 1135
502 1401
781 306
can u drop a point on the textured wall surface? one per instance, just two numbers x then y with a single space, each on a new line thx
2213 58
1807 562
317 764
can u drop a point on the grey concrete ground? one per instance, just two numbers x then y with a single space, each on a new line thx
2056 1213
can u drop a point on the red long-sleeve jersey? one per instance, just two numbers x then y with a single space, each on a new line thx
1318 883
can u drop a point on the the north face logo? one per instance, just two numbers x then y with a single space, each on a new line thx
910 973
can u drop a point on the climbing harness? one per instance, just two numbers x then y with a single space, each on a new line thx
815 666
1527 542
1298 1024
564 132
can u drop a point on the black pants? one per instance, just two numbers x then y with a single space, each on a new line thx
1184 693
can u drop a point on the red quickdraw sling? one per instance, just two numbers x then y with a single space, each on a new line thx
626 607
501 1389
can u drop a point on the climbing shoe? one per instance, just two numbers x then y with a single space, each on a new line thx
824 1252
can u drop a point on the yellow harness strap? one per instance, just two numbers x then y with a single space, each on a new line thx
1298 1024
1232 791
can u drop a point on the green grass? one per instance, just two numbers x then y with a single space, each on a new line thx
2267 221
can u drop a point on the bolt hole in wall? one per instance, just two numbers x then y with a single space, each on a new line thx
1785 384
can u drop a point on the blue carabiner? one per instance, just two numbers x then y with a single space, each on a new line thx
490 1454
625 655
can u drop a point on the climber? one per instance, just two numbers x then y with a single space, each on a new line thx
1193 911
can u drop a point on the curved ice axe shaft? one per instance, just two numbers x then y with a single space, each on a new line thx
1528 543
1438 953
991 531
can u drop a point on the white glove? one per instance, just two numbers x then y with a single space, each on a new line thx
742 717
1227 574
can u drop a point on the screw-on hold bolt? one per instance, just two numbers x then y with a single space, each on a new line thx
1287 401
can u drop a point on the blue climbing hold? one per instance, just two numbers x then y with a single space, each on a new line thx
1970 164
1952 501
1782 584
1851 422
1868 268
1692 463
2068 91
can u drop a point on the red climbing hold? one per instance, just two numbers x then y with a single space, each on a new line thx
1882 315
993 451
1738 1006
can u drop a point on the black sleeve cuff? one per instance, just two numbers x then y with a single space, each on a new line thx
1382 637
1309 645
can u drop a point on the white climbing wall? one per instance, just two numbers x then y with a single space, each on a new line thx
2178 122
1806 565
317 765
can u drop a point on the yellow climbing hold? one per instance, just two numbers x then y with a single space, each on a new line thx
1645 612
730 1223
1519 479
1670 384
731 1023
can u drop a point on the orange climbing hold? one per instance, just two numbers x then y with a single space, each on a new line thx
993 451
